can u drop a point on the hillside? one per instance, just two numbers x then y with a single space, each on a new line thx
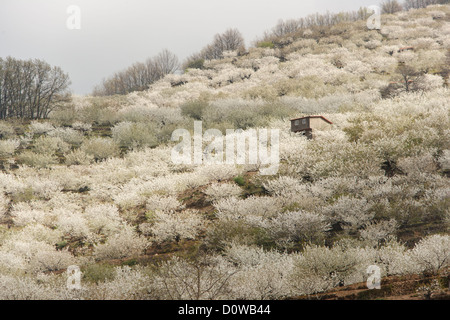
95 185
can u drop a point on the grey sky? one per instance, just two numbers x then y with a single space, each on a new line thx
116 33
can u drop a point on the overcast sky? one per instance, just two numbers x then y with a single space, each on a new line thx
116 33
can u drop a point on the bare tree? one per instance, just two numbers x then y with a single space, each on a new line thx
139 76
166 62
230 40
408 76
200 278
286 27
407 79
294 26
30 89
416 4
390 7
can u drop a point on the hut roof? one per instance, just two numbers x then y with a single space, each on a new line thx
322 117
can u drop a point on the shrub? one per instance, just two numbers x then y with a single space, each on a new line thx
238 112
8 147
298 226
282 185
37 127
217 191
125 244
68 135
265 44
64 116
38 232
253 207
37 160
165 204
6 130
50 145
37 256
126 284
104 219
432 254
194 109
351 212
72 224
100 110
379 231
169 226
239 180
194 64
217 172
263 274
134 135
100 148
326 267
99 272
78 157
43 187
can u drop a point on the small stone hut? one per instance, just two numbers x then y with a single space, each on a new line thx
309 123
